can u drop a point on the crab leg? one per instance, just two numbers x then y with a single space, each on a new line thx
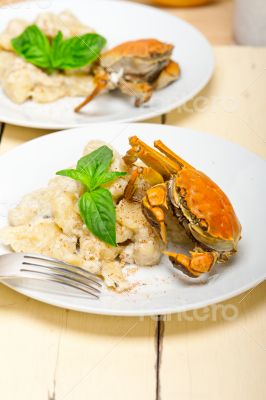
101 83
169 74
170 154
148 174
130 188
142 91
197 264
166 167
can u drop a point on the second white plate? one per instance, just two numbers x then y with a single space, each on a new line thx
118 21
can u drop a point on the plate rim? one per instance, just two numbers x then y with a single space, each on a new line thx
128 124
147 313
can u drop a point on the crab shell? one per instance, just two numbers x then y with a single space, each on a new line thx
138 56
212 220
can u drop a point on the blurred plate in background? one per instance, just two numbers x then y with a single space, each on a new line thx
118 21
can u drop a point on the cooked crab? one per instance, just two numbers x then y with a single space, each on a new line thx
136 68
199 205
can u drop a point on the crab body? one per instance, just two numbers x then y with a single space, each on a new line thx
197 202
136 68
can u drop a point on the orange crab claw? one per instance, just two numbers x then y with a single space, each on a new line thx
163 165
155 207
130 188
170 154
197 264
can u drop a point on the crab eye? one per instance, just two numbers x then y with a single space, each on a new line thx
203 224
183 192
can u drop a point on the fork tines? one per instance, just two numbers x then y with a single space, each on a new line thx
63 273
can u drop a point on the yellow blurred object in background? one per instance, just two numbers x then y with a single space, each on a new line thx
180 3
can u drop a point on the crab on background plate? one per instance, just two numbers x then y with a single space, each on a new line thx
136 68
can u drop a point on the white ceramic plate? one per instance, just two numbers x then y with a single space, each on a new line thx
118 21
239 172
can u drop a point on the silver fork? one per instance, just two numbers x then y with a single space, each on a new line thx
22 265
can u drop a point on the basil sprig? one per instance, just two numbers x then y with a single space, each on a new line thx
96 205
60 53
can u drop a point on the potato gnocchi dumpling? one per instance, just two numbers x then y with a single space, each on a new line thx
21 80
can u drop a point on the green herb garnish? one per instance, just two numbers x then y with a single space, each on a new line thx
59 54
96 205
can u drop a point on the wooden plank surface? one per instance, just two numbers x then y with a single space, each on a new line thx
218 352
233 104
214 20
54 354
205 354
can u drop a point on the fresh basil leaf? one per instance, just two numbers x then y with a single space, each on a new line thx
55 48
76 52
33 46
98 213
108 177
74 174
95 164
62 54
96 205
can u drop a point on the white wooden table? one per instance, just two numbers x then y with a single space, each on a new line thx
54 354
